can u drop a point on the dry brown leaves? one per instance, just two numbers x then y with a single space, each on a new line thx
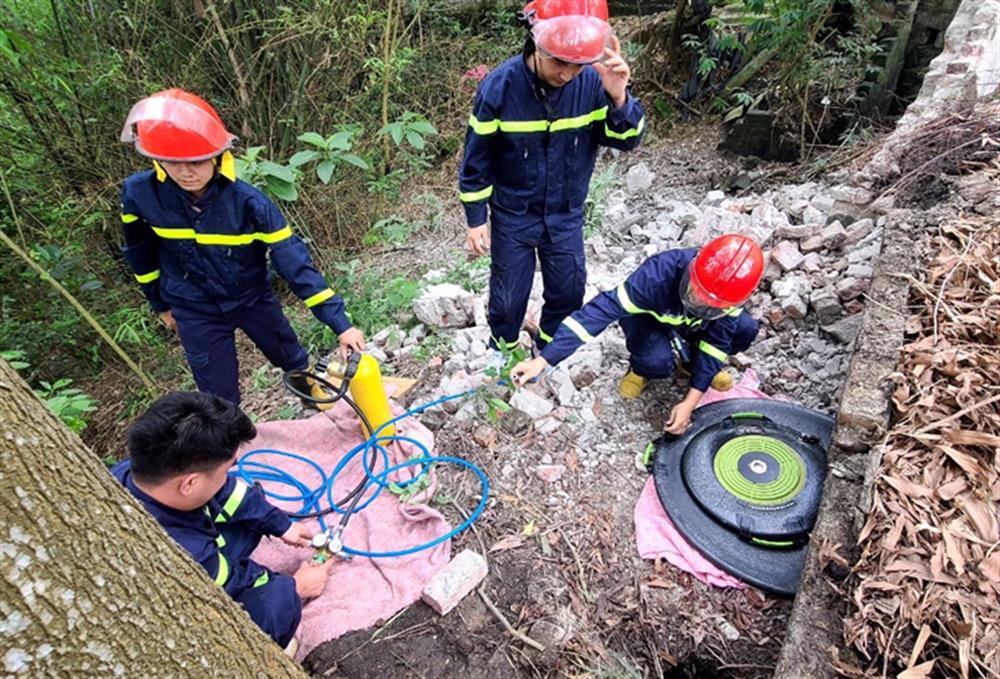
926 597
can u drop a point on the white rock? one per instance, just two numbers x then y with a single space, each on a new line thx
531 404
445 305
786 254
639 178
714 198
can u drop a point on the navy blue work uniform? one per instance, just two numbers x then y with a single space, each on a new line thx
221 536
648 307
206 261
529 154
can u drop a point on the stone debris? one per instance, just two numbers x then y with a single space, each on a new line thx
445 305
809 307
450 584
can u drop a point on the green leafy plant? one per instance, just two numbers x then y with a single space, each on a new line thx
277 181
408 490
597 199
15 358
67 403
411 128
328 153
393 230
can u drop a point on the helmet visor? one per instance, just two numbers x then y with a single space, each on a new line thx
697 305
572 39
182 115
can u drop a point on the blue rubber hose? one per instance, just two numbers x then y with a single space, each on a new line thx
312 499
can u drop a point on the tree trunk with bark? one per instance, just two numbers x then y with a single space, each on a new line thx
90 584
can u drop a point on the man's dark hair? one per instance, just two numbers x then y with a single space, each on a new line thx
186 431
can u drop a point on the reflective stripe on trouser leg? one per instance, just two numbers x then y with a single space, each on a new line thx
210 346
512 269
564 277
275 607
648 344
266 326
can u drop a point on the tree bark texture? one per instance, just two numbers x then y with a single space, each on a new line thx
90 584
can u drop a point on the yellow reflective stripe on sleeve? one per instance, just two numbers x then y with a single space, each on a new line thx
626 301
712 351
473 196
578 121
223 575
148 277
129 218
577 329
627 134
321 296
220 541
262 580
631 308
483 128
544 335
232 502
170 233
734 311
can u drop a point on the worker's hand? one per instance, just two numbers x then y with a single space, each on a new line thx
297 536
311 578
614 72
168 320
680 418
525 371
351 340
477 240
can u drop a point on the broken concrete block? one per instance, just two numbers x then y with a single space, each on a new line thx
786 254
798 231
846 329
821 202
794 306
450 585
812 244
851 194
531 404
833 235
849 287
445 306
826 305
813 216
639 178
859 230
714 198
812 263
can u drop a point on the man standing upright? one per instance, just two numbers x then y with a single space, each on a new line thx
530 149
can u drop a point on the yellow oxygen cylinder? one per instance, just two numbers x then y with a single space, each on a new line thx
368 392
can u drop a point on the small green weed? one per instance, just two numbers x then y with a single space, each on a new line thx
597 199
67 403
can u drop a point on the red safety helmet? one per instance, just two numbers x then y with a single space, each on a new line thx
574 31
547 9
178 126
723 275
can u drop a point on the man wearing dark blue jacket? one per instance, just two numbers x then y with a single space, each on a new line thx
686 301
536 125
180 452
198 239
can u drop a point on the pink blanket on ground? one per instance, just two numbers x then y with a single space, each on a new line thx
656 536
362 591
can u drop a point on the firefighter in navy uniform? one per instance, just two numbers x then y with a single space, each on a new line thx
536 125
180 453
685 299
198 239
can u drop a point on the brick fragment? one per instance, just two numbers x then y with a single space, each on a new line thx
450 585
